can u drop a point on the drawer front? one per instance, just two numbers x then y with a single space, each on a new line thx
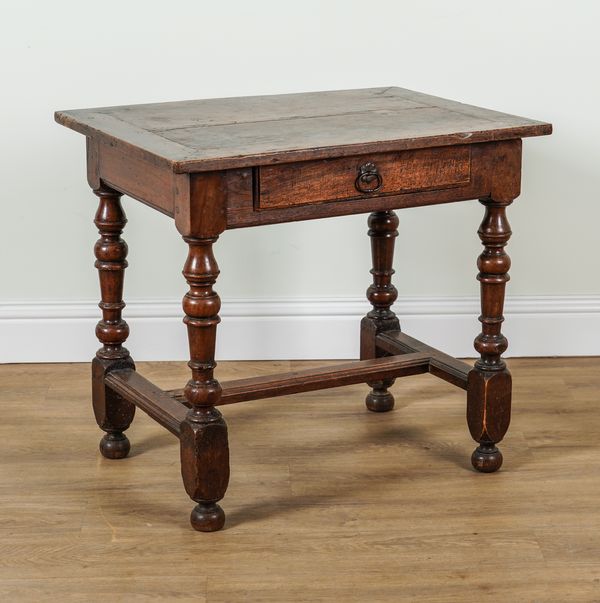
360 177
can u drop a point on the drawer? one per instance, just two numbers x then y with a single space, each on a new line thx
359 177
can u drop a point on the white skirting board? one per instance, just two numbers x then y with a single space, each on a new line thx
319 328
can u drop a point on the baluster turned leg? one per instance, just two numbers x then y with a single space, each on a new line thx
113 413
489 383
204 444
383 230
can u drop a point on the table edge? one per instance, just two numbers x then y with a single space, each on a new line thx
181 163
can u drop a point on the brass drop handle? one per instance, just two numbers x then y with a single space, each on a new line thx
369 179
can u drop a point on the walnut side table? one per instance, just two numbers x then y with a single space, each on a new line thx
213 165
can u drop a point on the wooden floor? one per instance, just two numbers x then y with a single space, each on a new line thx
327 502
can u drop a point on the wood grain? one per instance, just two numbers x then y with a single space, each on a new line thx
203 435
489 384
329 180
113 413
218 134
155 186
495 167
381 293
327 502
441 365
145 395
324 377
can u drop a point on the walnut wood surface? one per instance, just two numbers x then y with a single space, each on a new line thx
147 396
383 230
348 373
113 412
493 166
129 172
409 356
329 180
204 447
441 365
489 385
217 134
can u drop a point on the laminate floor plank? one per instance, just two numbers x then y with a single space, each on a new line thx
327 502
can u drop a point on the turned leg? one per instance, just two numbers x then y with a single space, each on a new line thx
489 383
383 230
113 413
204 444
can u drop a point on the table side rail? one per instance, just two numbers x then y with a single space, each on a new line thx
326 377
159 405
441 365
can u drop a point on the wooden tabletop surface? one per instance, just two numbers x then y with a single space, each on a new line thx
215 134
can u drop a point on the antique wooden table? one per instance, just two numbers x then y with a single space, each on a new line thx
213 165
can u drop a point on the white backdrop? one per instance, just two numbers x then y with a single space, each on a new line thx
534 58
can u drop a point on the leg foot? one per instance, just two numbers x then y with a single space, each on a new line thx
115 445
486 458
207 517
380 399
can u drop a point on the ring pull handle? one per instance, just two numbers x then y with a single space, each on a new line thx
369 179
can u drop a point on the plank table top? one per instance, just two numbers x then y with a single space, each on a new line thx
216 134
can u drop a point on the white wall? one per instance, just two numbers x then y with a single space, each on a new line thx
535 58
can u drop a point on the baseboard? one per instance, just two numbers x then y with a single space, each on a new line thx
298 328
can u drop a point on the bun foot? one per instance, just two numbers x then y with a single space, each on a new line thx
486 458
207 517
380 401
115 445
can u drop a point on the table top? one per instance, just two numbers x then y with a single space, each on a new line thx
217 134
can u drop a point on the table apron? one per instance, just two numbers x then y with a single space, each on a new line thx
205 204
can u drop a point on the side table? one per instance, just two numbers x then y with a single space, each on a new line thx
217 164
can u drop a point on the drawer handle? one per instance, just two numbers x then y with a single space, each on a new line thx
369 179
